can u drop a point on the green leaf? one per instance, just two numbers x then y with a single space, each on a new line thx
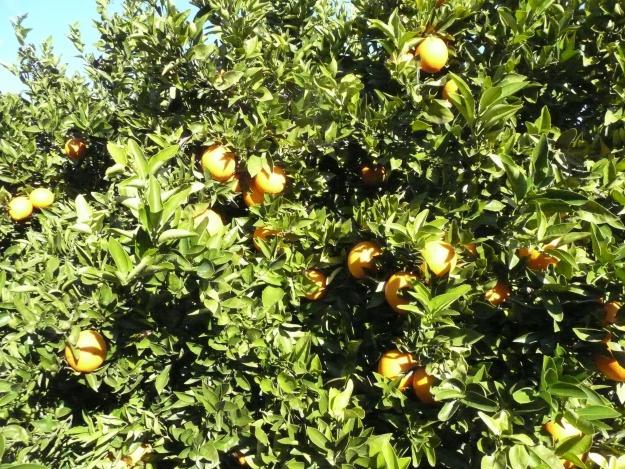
316 437
162 379
228 80
118 153
597 412
175 233
120 256
158 160
139 163
271 296
443 301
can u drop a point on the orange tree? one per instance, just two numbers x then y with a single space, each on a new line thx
483 165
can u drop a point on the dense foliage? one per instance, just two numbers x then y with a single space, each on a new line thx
213 350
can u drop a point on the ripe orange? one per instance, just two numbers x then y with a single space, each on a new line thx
362 258
451 87
20 208
610 311
75 148
318 289
92 349
560 432
214 225
537 260
373 176
498 294
610 368
41 197
262 233
421 385
433 53
219 162
471 248
253 196
397 282
394 363
271 182
440 257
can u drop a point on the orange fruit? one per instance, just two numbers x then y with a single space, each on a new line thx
373 176
471 248
253 196
75 148
440 257
214 225
537 260
92 352
498 294
394 364
219 162
421 385
610 311
319 285
451 87
271 182
20 208
433 53
610 368
362 258
41 197
561 431
262 233
397 282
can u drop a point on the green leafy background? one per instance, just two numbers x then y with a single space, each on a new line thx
213 352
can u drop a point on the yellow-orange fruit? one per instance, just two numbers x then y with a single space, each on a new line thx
20 208
41 197
451 87
610 312
498 294
92 352
319 284
362 258
262 233
433 53
373 176
271 182
610 368
394 364
75 148
253 196
219 162
397 282
214 224
422 384
440 257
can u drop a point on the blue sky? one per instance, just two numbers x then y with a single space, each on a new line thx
48 18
